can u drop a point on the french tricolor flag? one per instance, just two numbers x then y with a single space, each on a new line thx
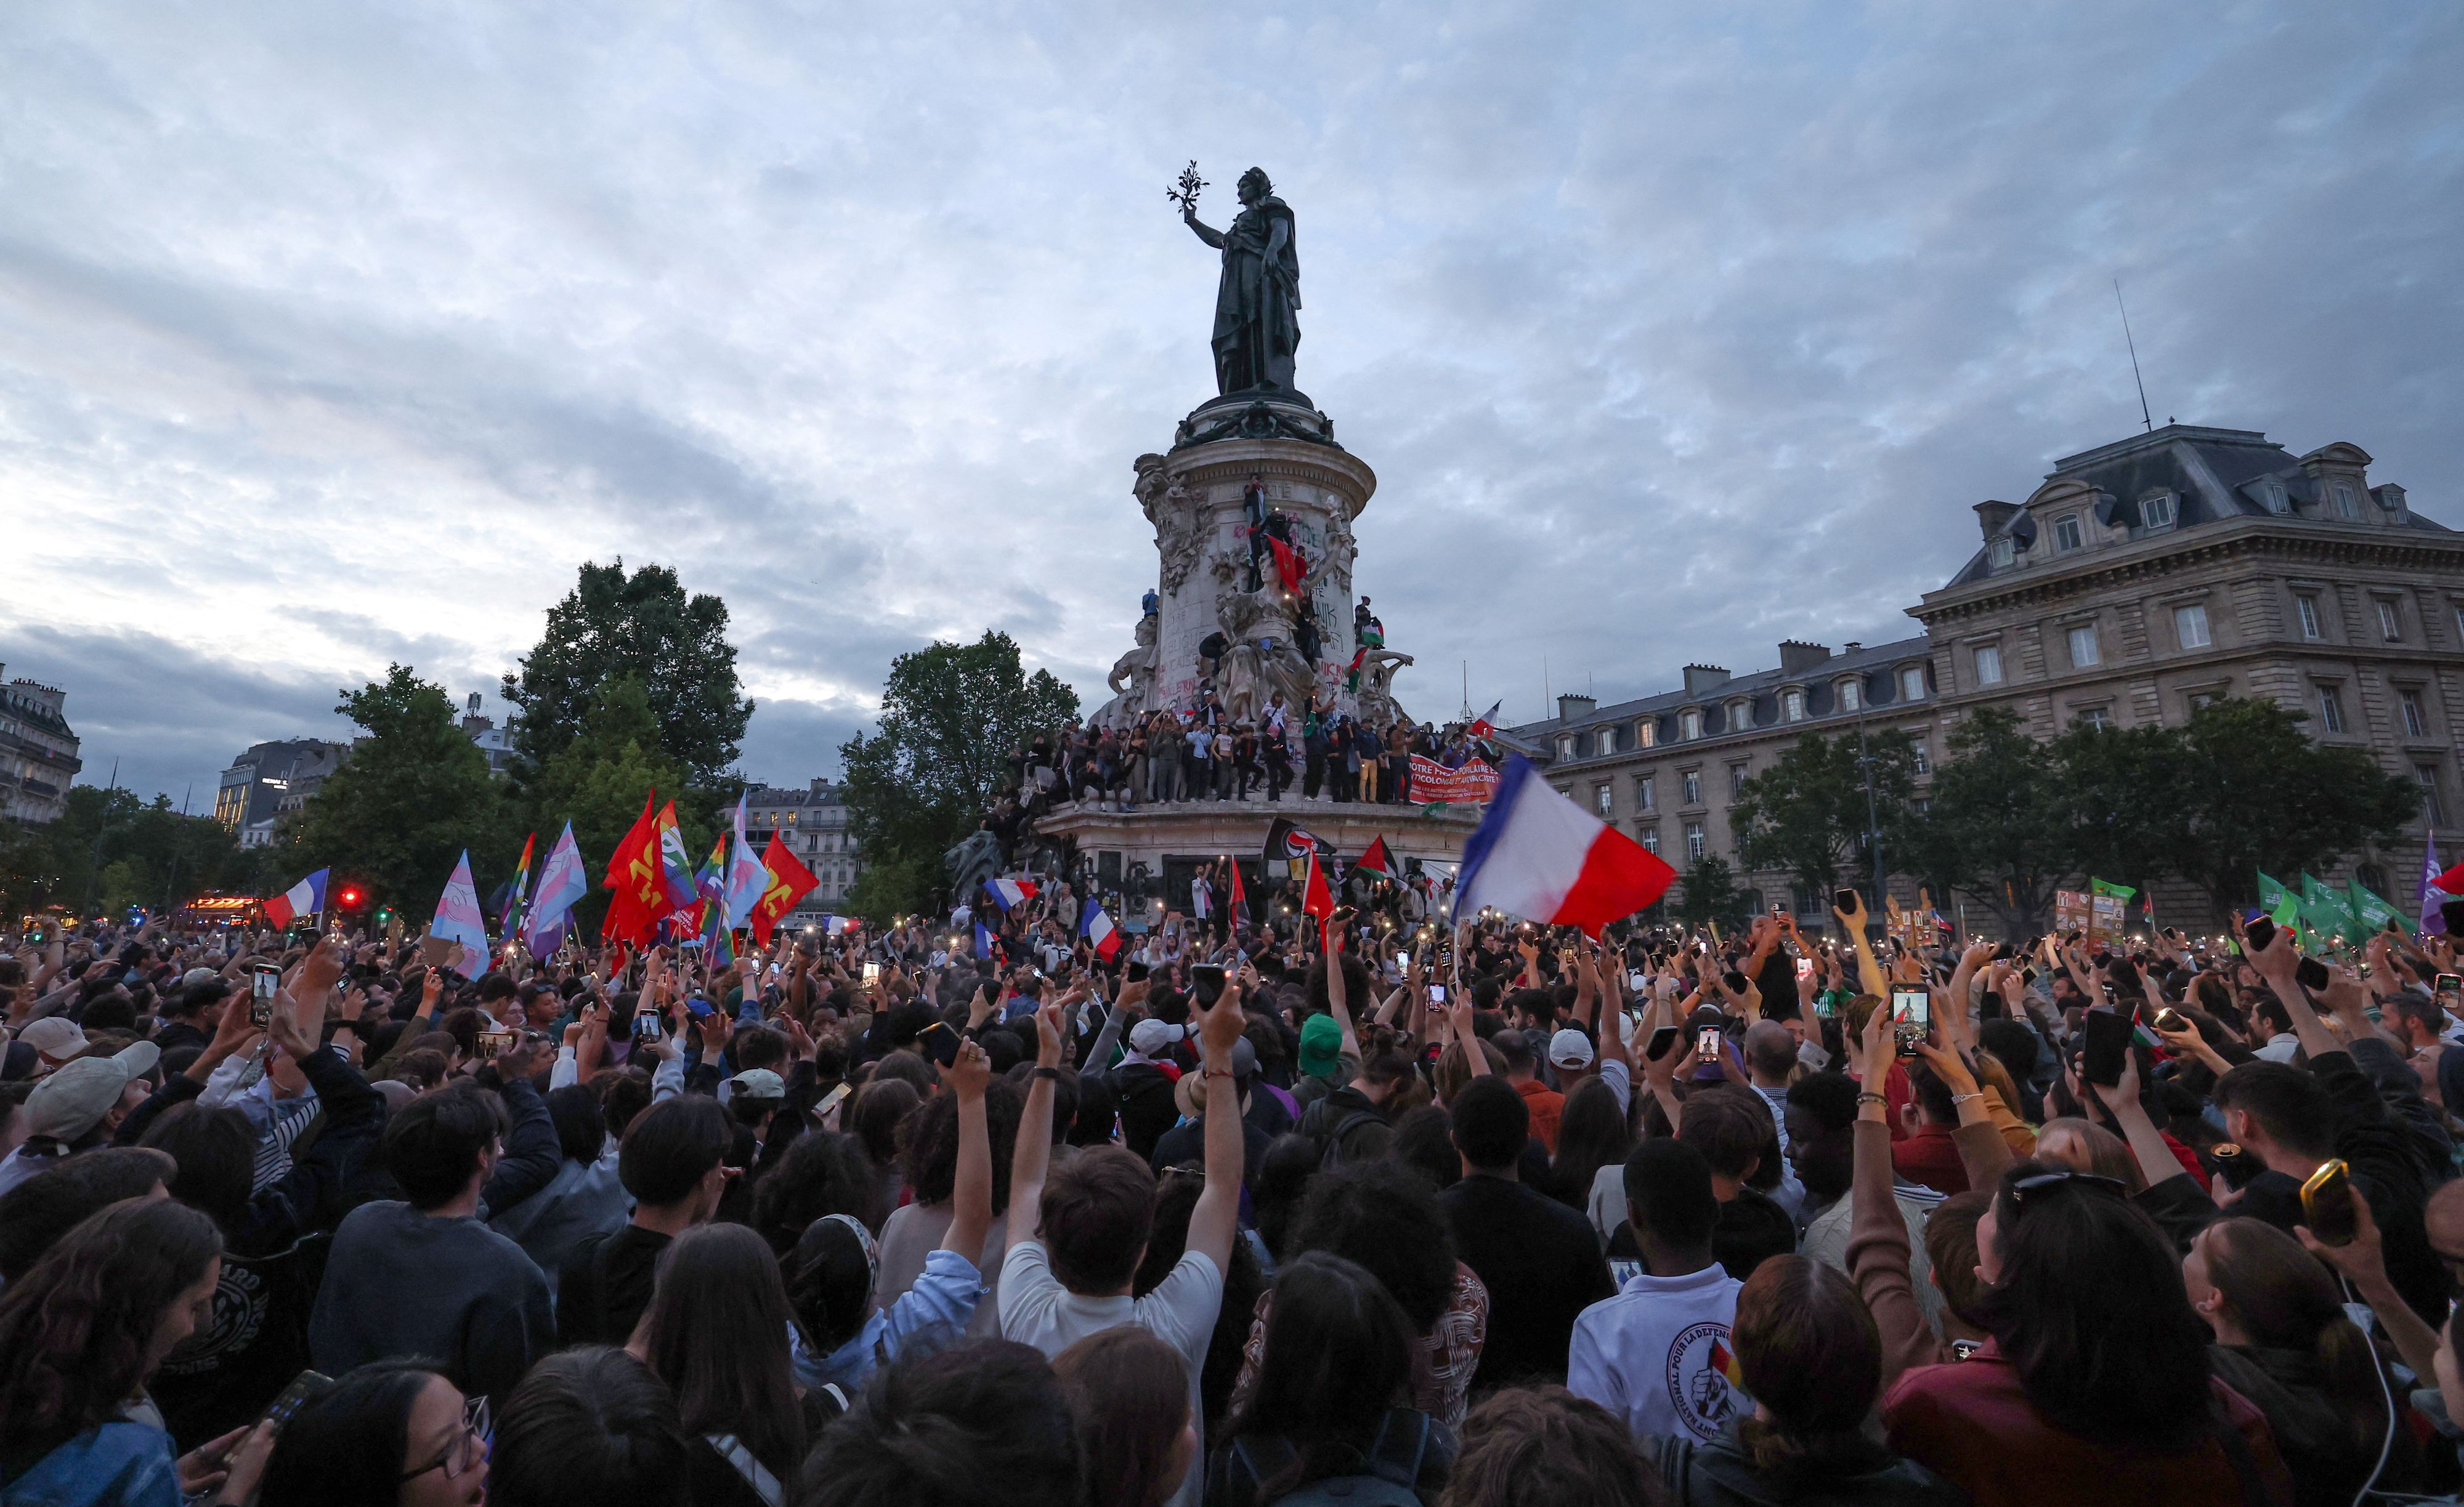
1539 855
1098 931
305 898
1008 892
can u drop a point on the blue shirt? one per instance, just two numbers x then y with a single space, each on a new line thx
929 1315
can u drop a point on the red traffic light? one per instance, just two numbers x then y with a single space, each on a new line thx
351 897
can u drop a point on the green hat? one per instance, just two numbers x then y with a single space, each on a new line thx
1321 1043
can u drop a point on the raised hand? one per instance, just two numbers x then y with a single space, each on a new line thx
969 1073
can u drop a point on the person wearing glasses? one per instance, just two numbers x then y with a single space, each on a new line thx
391 1433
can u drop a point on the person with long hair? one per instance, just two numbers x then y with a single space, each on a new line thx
716 1332
1811 1360
2097 1389
1545 1447
2283 1340
1334 1392
1129 1394
1593 1133
82 1334
392 1433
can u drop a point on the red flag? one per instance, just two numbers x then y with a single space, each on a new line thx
2451 882
789 881
1288 564
1377 860
636 900
1316 899
1240 897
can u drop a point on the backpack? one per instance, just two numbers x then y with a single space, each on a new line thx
1332 1145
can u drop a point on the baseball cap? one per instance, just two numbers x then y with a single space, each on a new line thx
759 1083
196 976
1570 1048
56 1037
1321 1044
1151 1038
73 1101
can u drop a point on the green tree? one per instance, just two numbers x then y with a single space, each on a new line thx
1710 893
169 857
413 794
644 627
950 715
1810 812
2258 793
1998 827
902 886
2128 799
599 781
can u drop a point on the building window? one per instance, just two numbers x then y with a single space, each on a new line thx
2066 533
2002 553
1989 664
1912 682
2084 654
1604 801
2095 717
2416 719
2190 625
1566 749
1693 840
2390 621
1693 791
1651 839
1741 715
1852 695
2156 514
1791 705
1646 734
2433 809
2345 505
1644 794
1689 723
2331 709
2272 494
2202 700
1736 781
1916 746
2307 606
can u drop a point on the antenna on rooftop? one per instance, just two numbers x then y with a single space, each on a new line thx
2144 417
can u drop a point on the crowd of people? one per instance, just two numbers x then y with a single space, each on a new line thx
1471 1213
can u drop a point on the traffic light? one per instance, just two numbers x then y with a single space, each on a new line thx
352 898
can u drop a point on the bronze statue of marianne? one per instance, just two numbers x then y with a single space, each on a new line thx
1257 305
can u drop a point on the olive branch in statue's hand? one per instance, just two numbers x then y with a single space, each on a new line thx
1184 192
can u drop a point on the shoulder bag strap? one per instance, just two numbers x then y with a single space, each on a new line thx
755 1475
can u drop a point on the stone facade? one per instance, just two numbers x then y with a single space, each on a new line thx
271 779
2141 580
813 823
38 751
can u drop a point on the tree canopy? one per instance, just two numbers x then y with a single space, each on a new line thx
950 715
1810 812
641 627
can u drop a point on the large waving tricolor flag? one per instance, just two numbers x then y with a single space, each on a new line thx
1097 928
1008 892
305 898
1539 855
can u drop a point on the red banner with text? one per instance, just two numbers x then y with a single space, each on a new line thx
1432 782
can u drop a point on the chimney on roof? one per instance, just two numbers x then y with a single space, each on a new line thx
1993 516
1796 656
1700 678
1572 708
1851 646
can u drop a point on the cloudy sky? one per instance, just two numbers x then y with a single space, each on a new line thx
331 336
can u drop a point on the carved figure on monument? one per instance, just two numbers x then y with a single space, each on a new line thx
1256 303
1132 681
1242 680
976 859
1376 695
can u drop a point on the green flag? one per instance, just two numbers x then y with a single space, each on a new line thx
2100 886
2327 912
2372 911
2277 901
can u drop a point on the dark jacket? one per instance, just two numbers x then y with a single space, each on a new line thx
2314 1429
1347 1126
1723 1474
1144 1092
600 1293
1542 1266
400 1283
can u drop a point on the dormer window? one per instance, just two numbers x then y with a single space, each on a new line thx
2156 512
1912 682
2273 496
1791 705
1741 715
2346 507
2002 554
2067 536
1689 723
1565 747
1646 734
1852 696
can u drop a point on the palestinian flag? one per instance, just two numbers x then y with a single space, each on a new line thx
1377 860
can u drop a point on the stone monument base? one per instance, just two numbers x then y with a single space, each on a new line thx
1153 849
